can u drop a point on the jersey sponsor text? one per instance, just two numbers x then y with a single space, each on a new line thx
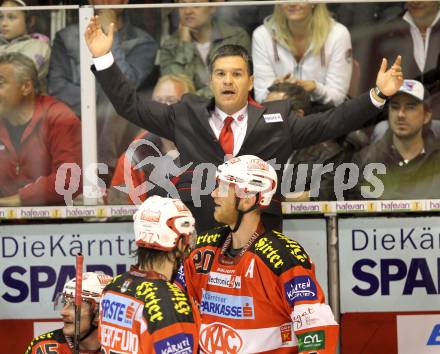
113 337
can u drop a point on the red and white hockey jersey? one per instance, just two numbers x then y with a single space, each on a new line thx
144 314
54 343
266 301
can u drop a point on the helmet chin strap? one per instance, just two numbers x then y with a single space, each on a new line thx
241 213
89 332
92 328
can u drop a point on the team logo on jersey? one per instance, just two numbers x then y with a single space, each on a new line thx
300 288
126 285
224 280
311 340
286 333
118 310
220 338
227 306
181 343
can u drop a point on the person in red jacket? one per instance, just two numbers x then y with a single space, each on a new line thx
37 135
256 288
141 311
61 340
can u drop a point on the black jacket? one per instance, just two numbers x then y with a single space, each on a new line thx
186 124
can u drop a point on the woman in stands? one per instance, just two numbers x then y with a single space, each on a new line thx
301 43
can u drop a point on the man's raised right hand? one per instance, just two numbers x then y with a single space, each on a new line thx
97 41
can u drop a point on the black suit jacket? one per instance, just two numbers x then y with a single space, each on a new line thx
186 124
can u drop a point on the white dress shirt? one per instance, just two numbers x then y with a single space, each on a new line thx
238 126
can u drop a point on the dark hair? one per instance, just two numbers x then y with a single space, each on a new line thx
427 101
148 257
232 50
299 98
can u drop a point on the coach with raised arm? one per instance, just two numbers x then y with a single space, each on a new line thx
232 123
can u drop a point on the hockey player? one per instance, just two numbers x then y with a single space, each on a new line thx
61 340
141 310
256 288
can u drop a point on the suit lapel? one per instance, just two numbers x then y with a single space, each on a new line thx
203 112
255 111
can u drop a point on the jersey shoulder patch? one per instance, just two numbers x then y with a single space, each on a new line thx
279 252
165 304
160 302
54 337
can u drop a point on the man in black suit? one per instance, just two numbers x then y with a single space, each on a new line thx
198 126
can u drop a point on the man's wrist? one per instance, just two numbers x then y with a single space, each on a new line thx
379 93
376 100
103 62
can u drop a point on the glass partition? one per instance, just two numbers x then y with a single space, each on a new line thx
164 52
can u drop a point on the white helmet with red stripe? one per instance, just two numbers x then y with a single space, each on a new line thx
160 222
92 286
250 175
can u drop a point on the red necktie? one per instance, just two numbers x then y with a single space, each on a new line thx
226 137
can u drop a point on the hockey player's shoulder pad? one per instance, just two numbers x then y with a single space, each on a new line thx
214 237
165 304
280 253
56 336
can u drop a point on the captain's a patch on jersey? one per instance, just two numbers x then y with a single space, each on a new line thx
273 118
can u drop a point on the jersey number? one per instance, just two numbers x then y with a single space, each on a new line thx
48 349
203 261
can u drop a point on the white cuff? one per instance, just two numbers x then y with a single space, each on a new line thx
319 92
378 104
103 62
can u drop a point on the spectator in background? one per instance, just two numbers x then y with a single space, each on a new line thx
169 90
357 16
247 17
135 50
190 49
408 150
15 27
37 135
61 340
323 153
415 35
302 41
